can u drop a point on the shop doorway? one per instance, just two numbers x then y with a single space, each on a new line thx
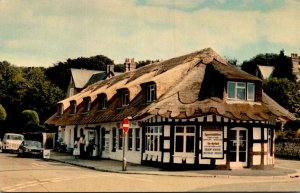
239 147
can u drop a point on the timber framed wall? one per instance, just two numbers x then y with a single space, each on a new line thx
259 147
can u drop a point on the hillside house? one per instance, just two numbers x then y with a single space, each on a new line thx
194 111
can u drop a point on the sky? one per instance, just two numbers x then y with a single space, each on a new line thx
43 33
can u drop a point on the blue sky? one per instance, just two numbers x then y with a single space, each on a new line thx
42 33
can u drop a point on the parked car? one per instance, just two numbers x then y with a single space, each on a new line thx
11 142
30 148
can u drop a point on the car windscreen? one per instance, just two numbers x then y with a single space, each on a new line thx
15 137
33 143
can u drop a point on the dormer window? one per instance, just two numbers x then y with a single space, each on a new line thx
241 91
151 93
125 98
60 109
102 98
87 104
73 107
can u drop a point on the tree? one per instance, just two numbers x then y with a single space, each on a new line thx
284 92
41 95
2 113
60 73
2 117
12 86
284 67
30 119
282 64
267 59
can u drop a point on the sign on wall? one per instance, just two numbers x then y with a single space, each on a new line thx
212 142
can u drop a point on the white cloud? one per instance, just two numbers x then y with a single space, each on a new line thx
59 30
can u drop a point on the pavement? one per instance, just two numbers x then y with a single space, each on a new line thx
281 169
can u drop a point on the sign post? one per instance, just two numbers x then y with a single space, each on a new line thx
125 130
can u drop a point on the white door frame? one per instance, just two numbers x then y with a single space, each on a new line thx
237 163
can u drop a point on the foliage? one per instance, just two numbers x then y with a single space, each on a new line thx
119 68
30 117
284 92
26 88
232 61
60 73
12 86
145 62
282 64
260 59
2 113
41 95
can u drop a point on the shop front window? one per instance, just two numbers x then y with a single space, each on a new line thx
185 139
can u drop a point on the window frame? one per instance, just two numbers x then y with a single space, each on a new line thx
130 139
73 107
185 135
125 98
137 139
150 93
239 86
87 104
102 99
153 133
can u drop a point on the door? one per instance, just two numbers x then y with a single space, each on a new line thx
239 147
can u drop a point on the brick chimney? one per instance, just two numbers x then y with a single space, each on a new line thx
129 64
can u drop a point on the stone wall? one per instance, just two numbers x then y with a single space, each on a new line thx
288 149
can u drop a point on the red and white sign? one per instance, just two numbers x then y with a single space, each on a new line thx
125 125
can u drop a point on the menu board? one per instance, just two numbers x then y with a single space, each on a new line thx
212 142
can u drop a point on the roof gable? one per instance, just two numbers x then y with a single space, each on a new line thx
82 76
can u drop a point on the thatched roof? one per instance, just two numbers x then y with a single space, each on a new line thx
187 86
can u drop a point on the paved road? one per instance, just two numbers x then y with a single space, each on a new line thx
30 174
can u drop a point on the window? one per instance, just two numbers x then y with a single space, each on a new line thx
73 107
185 139
250 92
87 104
114 139
153 138
120 138
125 98
60 109
241 91
151 92
102 101
130 141
137 139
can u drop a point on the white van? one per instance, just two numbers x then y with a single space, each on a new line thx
11 141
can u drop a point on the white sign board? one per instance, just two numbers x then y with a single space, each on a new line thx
212 142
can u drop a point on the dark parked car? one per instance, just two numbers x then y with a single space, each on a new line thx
30 148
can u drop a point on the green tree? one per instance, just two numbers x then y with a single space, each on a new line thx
30 117
2 113
267 59
41 95
2 118
12 86
60 73
284 92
